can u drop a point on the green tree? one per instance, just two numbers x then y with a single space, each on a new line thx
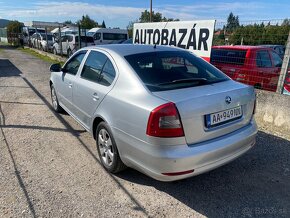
87 23
14 27
232 23
130 28
103 24
68 22
156 17
286 22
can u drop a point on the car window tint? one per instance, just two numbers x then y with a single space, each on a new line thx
263 59
70 38
229 56
114 36
63 38
173 70
98 36
277 59
108 74
93 66
74 63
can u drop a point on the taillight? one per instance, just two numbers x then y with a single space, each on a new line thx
287 82
164 121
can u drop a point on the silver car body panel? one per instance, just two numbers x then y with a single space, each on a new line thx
126 105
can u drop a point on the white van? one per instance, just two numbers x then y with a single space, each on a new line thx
108 36
70 44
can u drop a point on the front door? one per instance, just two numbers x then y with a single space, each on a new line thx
68 78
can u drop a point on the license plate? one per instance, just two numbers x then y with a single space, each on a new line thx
222 117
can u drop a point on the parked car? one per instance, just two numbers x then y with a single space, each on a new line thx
42 41
108 36
27 32
254 65
287 84
158 109
279 49
70 43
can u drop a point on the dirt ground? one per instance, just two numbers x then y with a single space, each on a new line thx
49 165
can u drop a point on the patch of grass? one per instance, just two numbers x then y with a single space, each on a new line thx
40 56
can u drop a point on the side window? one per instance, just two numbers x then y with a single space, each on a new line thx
277 60
63 38
73 65
93 66
108 74
98 36
70 38
263 59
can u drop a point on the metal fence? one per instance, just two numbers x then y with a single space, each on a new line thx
3 35
254 53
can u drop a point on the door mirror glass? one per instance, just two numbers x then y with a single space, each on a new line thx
55 68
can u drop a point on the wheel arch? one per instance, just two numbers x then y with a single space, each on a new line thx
96 122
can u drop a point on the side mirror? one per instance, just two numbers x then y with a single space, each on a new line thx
55 67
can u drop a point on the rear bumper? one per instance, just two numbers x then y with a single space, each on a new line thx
154 160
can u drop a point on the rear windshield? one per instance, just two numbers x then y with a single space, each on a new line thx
161 71
228 56
85 39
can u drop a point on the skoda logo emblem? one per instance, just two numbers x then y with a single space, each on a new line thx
228 100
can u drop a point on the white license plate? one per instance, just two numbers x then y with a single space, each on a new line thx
225 116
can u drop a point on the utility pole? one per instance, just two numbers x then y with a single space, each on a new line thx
150 11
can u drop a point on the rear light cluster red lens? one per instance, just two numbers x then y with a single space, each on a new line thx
164 121
287 82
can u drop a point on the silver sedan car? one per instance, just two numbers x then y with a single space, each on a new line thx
158 109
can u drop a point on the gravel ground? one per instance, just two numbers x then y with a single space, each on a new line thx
49 165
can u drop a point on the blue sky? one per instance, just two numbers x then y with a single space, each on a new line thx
118 13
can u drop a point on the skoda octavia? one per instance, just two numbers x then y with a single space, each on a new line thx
158 109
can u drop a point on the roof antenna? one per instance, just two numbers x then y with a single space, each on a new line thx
154 46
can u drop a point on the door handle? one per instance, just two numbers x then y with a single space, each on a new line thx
96 97
70 85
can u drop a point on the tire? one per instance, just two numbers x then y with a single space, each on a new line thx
69 53
55 104
258 86
107 149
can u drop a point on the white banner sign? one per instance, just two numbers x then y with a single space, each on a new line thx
196 36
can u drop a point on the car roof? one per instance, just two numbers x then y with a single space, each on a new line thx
128 49
238 47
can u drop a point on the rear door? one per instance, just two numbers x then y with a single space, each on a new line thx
277 64
266 76
92 86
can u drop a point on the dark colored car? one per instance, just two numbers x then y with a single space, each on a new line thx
258 66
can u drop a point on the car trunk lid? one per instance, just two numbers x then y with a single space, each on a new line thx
197 105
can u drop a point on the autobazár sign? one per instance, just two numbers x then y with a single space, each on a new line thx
195 36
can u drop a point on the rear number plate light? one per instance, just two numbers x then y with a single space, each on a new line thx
222 117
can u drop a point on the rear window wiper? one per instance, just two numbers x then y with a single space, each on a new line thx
178 81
